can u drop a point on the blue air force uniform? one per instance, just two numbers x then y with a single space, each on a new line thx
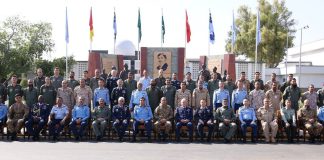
79 113
184 113
142 113
38 115
176 84
122 114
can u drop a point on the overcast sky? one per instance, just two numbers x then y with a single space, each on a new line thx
306 12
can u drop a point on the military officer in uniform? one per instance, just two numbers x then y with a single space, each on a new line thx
137 95
121 116
94 80
269 120
198 94
101 116
219 95
67 94
163 115
130 85
124 73
56 79
169 93
238 96
72 82
181 93
289 118
226 118
111 82
175 82
58 118
248 118
117 92
184 117
3 113
309 119
204 115
190 84
83 91
160 81
213 84
101 92
154 94
48 92
142 115
30 94
39 80
17 115
292 92
39 113
13 89
80 116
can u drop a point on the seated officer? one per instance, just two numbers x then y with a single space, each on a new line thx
163 115
226 117
18 113
80 116
183 117
3 113
289 118
58 118
309 118
38 116
320 115
204 115
101 116
248 119
269 120
142 115
121 117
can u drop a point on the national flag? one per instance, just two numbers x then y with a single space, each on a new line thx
139 26
115 26
211 30
188 31
163 29
91 26
258 31
67 38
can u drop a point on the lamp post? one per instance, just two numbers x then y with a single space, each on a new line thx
300 50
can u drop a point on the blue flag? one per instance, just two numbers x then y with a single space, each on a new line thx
115 26
258 31
211 30
233 31
67 38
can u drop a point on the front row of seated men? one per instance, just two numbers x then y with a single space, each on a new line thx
58 117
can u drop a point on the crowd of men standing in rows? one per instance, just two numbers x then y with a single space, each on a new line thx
157 102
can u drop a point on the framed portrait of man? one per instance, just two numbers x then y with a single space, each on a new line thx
162 60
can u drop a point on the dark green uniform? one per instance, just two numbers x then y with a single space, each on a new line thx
3 92
49 94
12 91
294 95
56 82
30 96
212 86
130 86
72 83
230 86
160 82
94 83
38 82
169 93
191 85
154 95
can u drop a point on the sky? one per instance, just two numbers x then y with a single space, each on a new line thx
306 12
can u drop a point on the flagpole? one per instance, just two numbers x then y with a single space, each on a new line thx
161 28
66 43
66 60
115 31
257 40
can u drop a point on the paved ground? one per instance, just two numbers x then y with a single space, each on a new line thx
156 151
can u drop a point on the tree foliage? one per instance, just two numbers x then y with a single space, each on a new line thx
276 22
48 66
21 43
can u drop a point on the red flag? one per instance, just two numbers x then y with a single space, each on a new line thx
91 26
188 31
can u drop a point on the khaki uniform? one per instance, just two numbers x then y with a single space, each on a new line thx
275 99
313 99
67 96
180 95
256 98
163 112
198 95
222 113
86 92
268 117
305 115
17 115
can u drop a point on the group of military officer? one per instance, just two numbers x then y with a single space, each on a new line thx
209 102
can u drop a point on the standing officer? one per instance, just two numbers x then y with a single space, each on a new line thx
13 89
268 119
101 93
238 96
39 113
219 95
174 81
94 80
80 116
160 81
56 79
123 74
67 94
137 95
309 119
163 115
58 118
256 96
248 119
154 94
181 93
274 95
142 115
225 116
130 85
30 94
294 93
17 115
48 92
204 115
289 117
190 84
169 92
111 82
39 80
213 84
72 83
117 92
101 116
120 117
184 117
198 94
83 91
